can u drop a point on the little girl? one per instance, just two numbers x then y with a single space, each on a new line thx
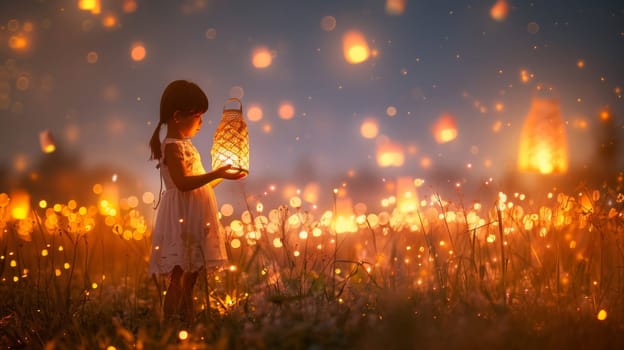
187 235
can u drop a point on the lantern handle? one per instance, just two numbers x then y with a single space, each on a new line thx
233 99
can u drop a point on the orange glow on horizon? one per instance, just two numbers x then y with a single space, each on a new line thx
543 143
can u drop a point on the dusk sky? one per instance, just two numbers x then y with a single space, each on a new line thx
71 71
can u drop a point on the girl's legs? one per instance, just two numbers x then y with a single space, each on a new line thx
171 306
186 307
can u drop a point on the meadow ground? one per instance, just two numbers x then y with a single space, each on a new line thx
428 273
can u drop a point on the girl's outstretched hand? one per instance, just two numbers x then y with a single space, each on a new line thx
230 173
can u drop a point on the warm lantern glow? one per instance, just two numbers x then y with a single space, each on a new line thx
261 57
390 154
355 48
543 142
445 129
499 10
47 141
20 204
231 140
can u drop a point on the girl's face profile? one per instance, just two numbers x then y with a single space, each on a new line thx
189 124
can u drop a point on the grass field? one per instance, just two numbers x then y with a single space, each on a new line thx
521 272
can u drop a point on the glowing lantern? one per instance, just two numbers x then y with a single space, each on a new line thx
390 154
231 140
20 205
47 141
543 143
445 129
355 48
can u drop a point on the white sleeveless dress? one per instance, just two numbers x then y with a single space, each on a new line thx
187 230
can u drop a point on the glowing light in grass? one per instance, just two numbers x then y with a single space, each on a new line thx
261 57
499 10
602 315
355 48
543 143
445 129
138 52
183 335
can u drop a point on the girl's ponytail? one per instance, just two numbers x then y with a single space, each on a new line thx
156 152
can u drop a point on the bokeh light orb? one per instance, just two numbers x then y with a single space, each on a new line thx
227 210
286 110
369 129
328 23
138 52
254 113
261 57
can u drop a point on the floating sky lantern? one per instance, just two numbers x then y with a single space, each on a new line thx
445 129
543 142
231 140
47 141
354 47
19 204
390 154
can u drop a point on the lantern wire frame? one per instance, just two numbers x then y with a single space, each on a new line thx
231 140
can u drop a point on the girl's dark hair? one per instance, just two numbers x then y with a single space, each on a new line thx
180 95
